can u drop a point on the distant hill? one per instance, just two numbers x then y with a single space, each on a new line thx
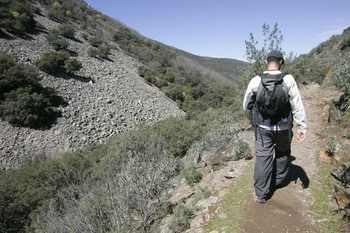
226 67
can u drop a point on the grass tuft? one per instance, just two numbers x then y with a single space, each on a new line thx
234 204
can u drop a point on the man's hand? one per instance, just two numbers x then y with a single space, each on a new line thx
301 137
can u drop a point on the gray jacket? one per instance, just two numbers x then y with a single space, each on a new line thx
295 100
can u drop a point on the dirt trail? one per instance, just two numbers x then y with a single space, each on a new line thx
288 210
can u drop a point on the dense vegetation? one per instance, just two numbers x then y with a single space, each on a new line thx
17 17
23 101
340 77
58 63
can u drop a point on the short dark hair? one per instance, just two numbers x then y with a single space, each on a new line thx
274 59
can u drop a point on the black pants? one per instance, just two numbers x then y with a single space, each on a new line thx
267 168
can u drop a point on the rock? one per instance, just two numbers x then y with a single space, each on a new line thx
245 125
181 194
324 157
342 194
325 112
206 203
216 158
341 182
197 222
230 174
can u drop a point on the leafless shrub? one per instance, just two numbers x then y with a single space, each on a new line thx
125 195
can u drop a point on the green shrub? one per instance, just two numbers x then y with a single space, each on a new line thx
26 191
17 17
148 74
85 36
124 37
175 92
6 61
53 62
340 77
192 175
150 79
56 41
96 41
92 52
332 145
25 107
24 101
179 134
72 65
242 150
161 82
66 31
60 44
103 51
181 218
15 75
57 5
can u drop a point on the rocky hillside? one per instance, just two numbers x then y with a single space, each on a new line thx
104 98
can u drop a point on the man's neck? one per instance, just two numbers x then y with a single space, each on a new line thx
273 67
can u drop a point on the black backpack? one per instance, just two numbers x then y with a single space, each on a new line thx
272 97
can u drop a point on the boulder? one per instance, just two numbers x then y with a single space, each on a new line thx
341 182
325 157
216 158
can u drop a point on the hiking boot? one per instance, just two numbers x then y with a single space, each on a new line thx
282 184
261 200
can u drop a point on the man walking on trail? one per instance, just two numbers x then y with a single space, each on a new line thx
271 102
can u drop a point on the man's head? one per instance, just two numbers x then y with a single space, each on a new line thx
275 56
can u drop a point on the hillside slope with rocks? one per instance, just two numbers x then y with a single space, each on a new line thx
104 98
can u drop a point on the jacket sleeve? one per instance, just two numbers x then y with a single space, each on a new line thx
296 103
249 97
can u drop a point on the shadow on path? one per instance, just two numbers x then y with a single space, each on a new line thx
295 172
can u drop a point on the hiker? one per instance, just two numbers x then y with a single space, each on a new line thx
271 102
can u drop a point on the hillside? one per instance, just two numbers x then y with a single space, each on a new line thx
330 51
103 99
108 95
318 62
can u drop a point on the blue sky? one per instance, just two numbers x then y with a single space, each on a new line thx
218 28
